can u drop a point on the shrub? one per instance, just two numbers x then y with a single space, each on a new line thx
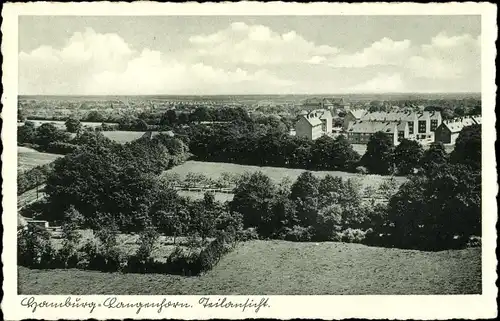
474 241
297 234
61 148
184 262
34 247
142 261
351 235
247 234
361 170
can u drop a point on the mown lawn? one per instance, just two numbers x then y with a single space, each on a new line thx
286 268
28 158
214 170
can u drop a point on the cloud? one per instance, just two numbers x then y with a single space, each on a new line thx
447 57
244 58
382 83
383 52
257 45
94 63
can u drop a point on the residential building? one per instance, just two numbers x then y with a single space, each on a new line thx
326 119
359 132
353 116
310 126
409 117
448 131
421 125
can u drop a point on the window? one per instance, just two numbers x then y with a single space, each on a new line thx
401 134
422 126
434 124
410 127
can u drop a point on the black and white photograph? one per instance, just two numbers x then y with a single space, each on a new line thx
249 155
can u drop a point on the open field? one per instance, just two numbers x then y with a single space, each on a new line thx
214 171
28 158
285 268
122 137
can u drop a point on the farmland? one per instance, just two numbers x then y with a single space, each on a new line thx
122 137
286 268
28 158
214 170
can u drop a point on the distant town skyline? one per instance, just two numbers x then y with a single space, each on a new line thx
217 55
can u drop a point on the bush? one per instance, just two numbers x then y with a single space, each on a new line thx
184 263
247 234
102 257
297 234
351 235
33 247
474 241
61 148
361 170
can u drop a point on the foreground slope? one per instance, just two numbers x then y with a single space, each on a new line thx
279 267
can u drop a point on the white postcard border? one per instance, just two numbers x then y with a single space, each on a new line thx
283 307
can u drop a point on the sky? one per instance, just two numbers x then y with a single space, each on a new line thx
214 55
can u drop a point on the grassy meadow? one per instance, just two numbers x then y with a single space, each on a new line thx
27 158
214 170
285 268
121 136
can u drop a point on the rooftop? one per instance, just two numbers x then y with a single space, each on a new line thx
372 127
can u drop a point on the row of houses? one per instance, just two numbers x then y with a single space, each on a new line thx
359 125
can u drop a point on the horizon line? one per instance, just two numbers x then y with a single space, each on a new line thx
257 94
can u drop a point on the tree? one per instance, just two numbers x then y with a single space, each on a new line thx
48 133
433 157
71 236
322 153
253 198
439 211
330 190
183 118
305 195
328 221
201 113
407 156
378 156
139 125
33 243
169 118
73 125
468 147
343 156
92 139
26 133
95 116
148 238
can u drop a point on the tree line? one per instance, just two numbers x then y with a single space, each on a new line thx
268 143
408 157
